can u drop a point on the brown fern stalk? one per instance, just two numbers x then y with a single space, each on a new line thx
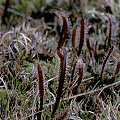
73 45
95 52
62 116
70 3
73 40
41 90
61 79
73 37
104 62
64 33
110 29
7 3
81 36
89 47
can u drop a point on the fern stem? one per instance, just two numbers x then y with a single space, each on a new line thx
61 80
64 33
81 36
41 90
104 62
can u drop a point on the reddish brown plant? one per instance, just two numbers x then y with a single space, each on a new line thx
82 34
61 79
41 90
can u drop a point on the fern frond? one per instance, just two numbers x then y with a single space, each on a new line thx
82 36
110 29
65 28
74 32
61 79
104 62
41 90
73 37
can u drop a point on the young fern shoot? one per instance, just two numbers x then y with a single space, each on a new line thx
110 29
82 36
41 90
65 28
61 79
74 32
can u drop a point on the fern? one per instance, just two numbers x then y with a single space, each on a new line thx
41 90
61 79
82 34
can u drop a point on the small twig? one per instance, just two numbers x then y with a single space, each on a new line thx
86 93
31 115
91 92
50 80
88 79
83 81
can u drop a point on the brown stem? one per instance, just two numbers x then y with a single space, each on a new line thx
81 36
110 29
61 79
104 62
64 33
41 90
7 3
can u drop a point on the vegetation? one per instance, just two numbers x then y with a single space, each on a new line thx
59 60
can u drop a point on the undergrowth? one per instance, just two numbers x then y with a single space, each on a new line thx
63 67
